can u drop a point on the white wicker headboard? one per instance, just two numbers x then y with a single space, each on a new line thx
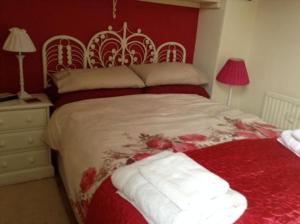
105 49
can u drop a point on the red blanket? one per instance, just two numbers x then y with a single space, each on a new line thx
262 170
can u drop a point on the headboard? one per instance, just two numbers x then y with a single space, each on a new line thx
105 49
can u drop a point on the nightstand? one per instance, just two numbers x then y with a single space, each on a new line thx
23 154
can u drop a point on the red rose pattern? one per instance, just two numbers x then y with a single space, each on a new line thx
88 179
264 125
181 143
82 207
159 143
247 134
242 126
141 156
255 130
183 147
193 138
268 133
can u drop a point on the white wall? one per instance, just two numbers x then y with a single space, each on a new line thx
236 42
266 33
209 32
274 62
224 33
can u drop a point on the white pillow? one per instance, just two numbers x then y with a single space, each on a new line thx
169 73
100 78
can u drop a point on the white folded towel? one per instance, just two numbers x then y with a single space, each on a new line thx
296 134
126 178
158 209
182 180
133 187
225 209
287 139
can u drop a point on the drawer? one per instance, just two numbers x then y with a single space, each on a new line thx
19 140
23 161
23 119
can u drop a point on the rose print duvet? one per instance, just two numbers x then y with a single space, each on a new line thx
96 136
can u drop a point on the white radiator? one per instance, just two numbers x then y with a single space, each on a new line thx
282 111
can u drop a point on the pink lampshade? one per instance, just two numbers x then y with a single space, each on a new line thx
234 72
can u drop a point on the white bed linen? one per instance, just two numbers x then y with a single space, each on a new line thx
96 136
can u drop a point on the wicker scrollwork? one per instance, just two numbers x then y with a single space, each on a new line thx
170 52
62 52
124 47
106 49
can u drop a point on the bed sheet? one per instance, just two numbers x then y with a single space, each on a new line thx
94 137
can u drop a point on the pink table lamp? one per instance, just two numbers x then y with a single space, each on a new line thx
233 73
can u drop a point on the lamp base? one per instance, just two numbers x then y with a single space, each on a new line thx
229 96
24 95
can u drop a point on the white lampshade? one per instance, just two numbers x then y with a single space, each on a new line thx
18 41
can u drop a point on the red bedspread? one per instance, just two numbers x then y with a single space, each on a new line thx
262 170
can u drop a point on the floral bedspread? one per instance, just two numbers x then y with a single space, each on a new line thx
94 137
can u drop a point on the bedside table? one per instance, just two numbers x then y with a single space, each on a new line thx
23 154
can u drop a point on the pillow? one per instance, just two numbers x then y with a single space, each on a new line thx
187 89
100 78
61 99
169 73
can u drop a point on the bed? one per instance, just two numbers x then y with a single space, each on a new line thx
95 132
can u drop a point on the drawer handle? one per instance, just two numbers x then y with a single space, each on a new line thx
4 164
31 160
30 140
2 143
29 119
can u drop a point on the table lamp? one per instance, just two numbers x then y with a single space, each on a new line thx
19 41
233 73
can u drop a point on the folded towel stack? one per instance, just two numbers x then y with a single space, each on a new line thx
171 188
291 140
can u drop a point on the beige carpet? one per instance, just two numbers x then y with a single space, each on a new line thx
36 202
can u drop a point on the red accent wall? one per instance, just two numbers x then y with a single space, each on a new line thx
81 19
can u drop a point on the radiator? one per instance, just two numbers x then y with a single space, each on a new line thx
282 111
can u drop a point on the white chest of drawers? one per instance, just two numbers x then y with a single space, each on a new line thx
23 154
